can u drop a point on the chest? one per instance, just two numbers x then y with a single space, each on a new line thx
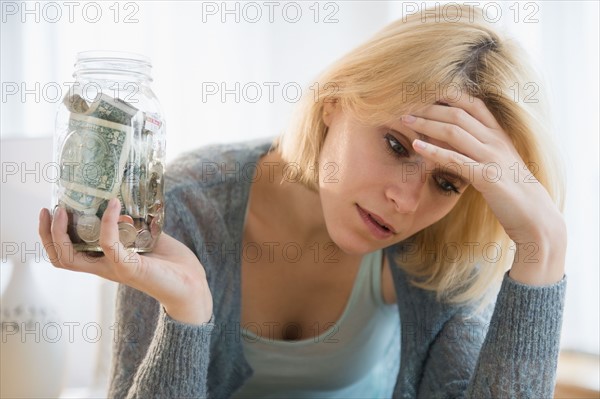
290 292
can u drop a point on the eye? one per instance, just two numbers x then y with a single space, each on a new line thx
445 185
394 147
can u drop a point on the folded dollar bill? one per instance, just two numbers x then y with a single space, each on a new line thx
94 155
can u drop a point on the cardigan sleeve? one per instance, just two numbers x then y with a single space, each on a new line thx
452 356
176 364
136 316
153 354
519 353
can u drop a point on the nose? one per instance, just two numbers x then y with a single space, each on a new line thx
406 191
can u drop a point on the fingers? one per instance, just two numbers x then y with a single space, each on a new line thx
125 264
465 111
465 124
440 154
60 242
58 245
454 116
109 232
46 236
473 106
464 167
118 264
452 134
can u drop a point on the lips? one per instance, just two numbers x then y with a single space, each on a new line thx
378 226
382 222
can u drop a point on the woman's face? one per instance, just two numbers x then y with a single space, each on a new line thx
373 170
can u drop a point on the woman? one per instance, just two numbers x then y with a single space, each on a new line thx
413 169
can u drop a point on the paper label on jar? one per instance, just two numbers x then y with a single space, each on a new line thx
152 124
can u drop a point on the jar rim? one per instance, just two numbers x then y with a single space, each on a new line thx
112 64
107 55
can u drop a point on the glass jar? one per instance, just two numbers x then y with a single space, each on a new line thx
109 142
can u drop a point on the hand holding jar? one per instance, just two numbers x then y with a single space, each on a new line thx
109 200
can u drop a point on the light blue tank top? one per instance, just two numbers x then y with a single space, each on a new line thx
357 357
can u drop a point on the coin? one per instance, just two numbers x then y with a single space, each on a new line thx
155 189
156 226
140 224
157 169
88 228
155 208
127 234
125 219
143 239
130 189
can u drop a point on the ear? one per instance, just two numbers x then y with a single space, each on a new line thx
330 107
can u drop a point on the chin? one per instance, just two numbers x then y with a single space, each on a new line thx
351 243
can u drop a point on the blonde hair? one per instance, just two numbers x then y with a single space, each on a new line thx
392 74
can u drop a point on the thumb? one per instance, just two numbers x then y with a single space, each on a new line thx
126 263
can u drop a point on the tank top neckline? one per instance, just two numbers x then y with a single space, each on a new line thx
364 268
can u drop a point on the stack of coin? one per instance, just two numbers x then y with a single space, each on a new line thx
127 231
88 228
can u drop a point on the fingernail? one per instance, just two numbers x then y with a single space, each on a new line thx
408 119
420 144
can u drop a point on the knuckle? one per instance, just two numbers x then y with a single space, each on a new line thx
487 152
457 115
502 144
103 243
106 243
456 157
453 131
480 102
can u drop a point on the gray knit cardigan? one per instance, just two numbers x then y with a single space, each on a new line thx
508 351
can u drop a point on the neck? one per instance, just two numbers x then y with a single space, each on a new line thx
287 207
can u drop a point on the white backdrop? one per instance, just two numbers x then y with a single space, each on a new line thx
196 45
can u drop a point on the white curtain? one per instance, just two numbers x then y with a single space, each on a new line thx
196 45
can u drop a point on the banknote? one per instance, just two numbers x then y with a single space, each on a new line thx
80 201
112 109
93 157
104 204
